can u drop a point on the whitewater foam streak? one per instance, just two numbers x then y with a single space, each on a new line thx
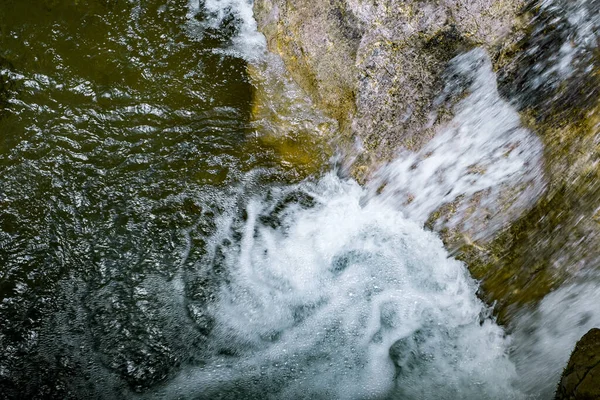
327 298
248 43
483 151
329 290
545 337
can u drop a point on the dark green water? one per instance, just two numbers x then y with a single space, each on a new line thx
157 240
120 124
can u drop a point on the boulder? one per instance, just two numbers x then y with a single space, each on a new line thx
377 67
383 70
581 378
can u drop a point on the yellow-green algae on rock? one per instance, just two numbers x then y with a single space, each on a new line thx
286 122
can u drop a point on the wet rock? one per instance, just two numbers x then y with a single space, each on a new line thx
551 79
318 42
376 67
379 68
581 378
288 126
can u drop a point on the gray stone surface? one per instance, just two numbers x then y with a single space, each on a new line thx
377 66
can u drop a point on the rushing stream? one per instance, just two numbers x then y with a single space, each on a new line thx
153 245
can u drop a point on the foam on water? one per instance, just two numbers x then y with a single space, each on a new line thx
330 290
328 298
248 43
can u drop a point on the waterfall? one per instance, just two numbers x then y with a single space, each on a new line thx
327 297
156 248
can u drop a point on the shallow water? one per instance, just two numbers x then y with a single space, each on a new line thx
156 241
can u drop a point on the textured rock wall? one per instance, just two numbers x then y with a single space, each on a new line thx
551 74
318 42
581 378
378 68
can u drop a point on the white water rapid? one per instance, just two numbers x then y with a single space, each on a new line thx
179 220
328 298
329 290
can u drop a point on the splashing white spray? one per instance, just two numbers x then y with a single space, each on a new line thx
545 337
484 150
349 298
328 298
248 43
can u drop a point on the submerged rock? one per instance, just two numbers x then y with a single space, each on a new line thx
581 378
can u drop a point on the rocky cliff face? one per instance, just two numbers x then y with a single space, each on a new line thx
551 76
383 71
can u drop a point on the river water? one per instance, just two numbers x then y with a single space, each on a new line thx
156 243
